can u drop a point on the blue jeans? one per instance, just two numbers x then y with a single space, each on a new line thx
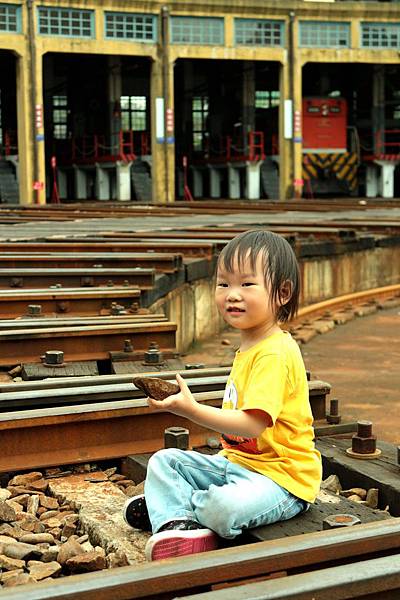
215 492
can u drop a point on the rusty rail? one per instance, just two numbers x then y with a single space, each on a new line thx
88 277
87 343
356 562
68 301
164 262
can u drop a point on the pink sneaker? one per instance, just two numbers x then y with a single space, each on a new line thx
180 542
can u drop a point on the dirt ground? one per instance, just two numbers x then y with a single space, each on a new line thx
359 359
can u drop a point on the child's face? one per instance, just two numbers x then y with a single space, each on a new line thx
242 297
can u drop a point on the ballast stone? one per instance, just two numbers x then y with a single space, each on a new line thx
100 504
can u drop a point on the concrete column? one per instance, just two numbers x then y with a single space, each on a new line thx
162 141
253 180
372 179
198 187
62 184
24 131
114 95
378 108
102 183
123 183
386 181
80 180
233 182
285 158
248 99
215 182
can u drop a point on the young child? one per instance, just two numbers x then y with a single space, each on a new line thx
268 469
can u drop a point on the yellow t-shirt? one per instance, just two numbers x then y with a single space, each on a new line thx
271 377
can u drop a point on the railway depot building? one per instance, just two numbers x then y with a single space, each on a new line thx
156 101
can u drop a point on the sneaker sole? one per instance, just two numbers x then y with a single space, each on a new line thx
168 544
127 504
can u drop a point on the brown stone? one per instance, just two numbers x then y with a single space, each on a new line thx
49 514
359 491
19 579
12 530
90 561
40 485
33 504
4 494
68 550
8 564
40 570
7 513
20 550
22 499
116 559
5 576
25 479
15 505
155 387
49 502
37 538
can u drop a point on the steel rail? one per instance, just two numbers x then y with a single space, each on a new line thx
62 301
100 431
94 244
88 277
346 301
87 343
28 323
298 560
164 262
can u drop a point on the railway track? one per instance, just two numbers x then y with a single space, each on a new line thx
357 562
68 301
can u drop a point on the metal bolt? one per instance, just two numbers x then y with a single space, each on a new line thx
134 308
363 442
87 282
126 283
128 346
54 357
56 286
110 283
117 309
16 282
34 309
333 417
343 520
153 356
176 437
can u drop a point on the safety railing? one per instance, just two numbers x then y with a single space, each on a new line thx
387 144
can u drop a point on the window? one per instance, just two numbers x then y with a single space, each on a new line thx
319 34
60 117
133 113
259 32
66 22
197 30
199 120
267 98
129 26
380 35
10 18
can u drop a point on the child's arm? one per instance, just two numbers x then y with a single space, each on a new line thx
249 423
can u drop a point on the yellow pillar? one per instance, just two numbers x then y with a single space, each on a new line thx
40 176
24 131
162 122
30 116
297 97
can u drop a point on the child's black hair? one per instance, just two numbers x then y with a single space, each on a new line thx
280 264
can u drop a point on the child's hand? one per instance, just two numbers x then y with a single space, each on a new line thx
182 404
